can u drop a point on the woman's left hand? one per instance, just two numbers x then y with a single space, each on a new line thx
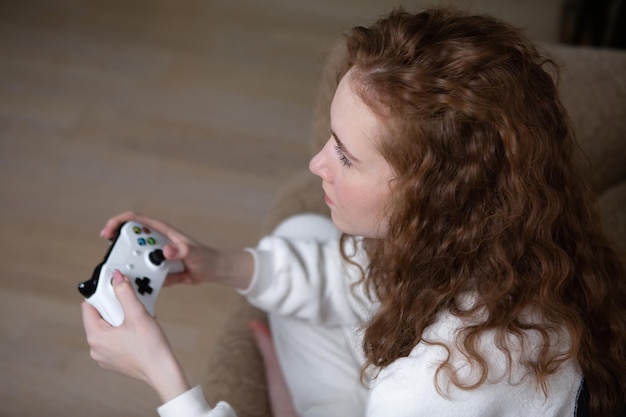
137 348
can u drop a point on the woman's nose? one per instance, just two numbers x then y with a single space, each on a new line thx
318 165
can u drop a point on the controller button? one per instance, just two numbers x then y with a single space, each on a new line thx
137 230
130 267
136 252
146 230
141 241
157 257
151 241
143 285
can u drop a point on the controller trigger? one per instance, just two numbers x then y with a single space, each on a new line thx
88 288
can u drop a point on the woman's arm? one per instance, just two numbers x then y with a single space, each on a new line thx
202 263
310 280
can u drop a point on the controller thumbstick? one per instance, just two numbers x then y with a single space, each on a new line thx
157 257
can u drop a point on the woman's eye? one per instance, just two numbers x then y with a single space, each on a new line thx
342 157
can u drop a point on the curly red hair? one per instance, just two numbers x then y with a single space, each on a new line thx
487 199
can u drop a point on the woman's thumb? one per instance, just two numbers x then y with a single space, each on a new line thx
126 295
176 251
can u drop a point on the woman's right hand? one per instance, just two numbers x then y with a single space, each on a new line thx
202 263
138 348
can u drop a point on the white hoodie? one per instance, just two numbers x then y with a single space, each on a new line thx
310 280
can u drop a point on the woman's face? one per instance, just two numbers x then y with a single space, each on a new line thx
355 176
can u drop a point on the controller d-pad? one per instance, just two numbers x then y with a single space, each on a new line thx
143 285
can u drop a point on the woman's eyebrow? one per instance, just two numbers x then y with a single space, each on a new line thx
342 147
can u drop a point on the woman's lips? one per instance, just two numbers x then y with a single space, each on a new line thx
328 200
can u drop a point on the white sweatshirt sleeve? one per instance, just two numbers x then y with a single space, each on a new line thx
193 404
309 280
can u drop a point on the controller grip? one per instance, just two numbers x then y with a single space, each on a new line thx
104 299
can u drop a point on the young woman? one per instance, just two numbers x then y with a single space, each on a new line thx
465 271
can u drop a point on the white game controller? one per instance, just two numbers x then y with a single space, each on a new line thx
136 252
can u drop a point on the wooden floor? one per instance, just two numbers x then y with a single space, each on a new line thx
192 111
